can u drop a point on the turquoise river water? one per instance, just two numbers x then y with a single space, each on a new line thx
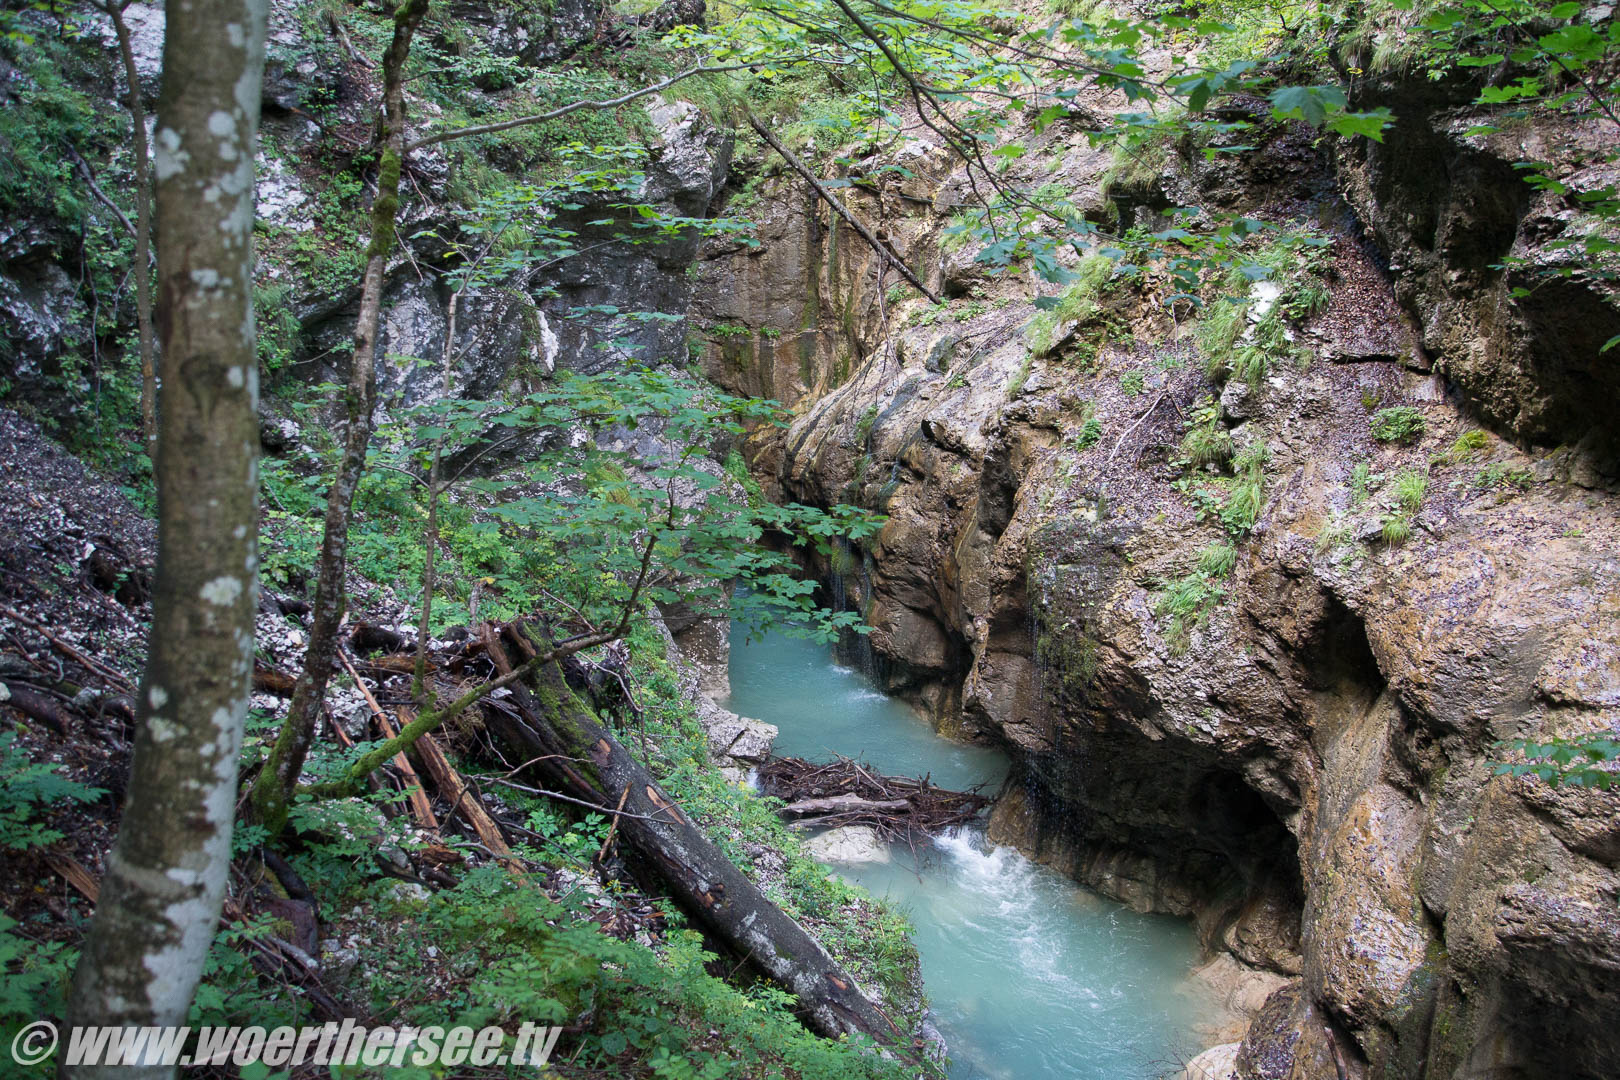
1029 976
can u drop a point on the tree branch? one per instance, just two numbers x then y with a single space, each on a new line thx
554 114
883 251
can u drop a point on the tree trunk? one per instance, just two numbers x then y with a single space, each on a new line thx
574 753
165 880
143 228
273 789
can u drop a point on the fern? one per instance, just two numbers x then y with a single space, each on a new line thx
30 787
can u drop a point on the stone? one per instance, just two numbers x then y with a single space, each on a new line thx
1216 1063
338 960
1237 400
738 737
849 845
1240 989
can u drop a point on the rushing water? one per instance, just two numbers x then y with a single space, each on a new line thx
1029 976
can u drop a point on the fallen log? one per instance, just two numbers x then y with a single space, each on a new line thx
35 705
563 743
269 680
421 805
844 804
462 801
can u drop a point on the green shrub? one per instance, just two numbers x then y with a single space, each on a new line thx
1207 445
1131 383
1218 333
1397 529
1187 602
1015 385
1333 533
1206 441
1307 297
1504 475
1089 433
1398 424
1249 364
32 789
1076 303
1361 481
1247 496
863 426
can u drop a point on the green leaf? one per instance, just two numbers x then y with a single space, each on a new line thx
1496 95
1308 103
1369 125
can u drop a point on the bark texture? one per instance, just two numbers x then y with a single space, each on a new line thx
165 878
274 787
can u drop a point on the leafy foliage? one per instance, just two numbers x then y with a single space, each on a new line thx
32 787
1186 601
1582 761
1206 441
1406 492
1398 424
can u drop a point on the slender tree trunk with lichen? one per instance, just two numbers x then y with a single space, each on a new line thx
273 789
165 877
143 226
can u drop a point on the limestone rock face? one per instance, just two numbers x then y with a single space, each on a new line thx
1450 210
1302 763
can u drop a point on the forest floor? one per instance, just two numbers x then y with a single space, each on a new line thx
385 908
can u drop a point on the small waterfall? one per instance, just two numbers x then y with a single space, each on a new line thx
835 573
853 649
1039 586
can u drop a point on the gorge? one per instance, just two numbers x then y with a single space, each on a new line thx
1236 584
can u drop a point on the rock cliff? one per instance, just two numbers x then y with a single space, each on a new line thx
1294 746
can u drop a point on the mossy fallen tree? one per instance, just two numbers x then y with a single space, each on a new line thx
562 743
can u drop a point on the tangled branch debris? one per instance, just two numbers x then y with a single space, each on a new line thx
845 792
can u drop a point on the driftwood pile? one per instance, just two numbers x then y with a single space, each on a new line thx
845 792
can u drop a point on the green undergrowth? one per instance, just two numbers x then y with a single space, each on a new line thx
500 948
1233 501
1406 498
1078 302
871 938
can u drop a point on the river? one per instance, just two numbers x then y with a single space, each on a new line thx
1029 976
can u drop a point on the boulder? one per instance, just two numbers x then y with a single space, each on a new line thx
1216 1063
849 845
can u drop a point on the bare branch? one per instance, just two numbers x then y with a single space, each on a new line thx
885 254
573 107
